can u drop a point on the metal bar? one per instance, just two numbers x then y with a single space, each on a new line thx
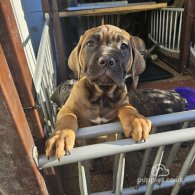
42 102
120 174
157 25
186 166
163 31
160 26
86 167
50 66
82 179
142 189
170 30
174 150
175 28
47 102
106 129
179 33
116 165
155 165
151 25
102 20
173 9
37 76
116 147
167 24
145 160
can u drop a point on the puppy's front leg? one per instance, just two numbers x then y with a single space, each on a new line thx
63 138
134 124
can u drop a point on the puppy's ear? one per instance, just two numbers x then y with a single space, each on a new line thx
138 65
74 62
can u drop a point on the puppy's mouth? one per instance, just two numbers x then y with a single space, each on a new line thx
107 76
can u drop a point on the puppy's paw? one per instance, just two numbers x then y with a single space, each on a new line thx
60 142
137 127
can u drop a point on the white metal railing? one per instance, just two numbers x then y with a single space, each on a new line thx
166 27
120 147
44 76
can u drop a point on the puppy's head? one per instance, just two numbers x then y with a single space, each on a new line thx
106 55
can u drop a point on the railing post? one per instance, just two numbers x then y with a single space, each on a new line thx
82 179
189 8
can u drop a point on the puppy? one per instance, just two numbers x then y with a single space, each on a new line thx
102 59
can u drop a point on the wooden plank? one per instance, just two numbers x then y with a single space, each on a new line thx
14 52
45 6
192 56
19 174
113 10
189 9
60 49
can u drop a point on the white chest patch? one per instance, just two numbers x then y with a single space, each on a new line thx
99 120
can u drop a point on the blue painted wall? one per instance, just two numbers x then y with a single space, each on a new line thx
35 20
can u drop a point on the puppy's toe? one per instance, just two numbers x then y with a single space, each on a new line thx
59 143
141 129
146 129
69 140
50 145
60 147
137 127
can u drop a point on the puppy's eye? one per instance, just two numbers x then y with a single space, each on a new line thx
124 47
90 44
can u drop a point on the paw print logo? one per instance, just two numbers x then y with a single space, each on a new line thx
160 170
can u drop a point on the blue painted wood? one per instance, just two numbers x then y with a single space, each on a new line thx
34 17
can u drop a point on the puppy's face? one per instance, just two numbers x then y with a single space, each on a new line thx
105 55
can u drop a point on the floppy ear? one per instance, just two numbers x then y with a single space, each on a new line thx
74 59
138 65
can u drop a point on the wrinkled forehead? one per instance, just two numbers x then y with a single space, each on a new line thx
108 34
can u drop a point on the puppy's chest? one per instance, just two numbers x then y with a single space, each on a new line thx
104 108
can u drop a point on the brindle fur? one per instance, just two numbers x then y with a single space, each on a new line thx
100 95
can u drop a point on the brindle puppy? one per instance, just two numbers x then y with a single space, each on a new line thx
102 59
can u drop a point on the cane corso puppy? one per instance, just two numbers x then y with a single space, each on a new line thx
102 60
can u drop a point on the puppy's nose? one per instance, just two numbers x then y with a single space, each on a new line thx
106 61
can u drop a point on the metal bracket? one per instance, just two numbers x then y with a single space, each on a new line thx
31 108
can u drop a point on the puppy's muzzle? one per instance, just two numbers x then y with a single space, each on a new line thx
106 61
